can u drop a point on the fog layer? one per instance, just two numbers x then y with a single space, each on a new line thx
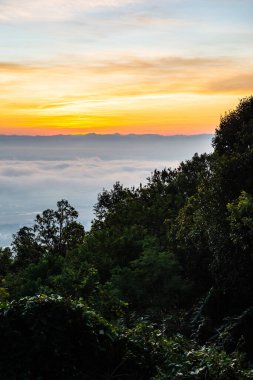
36 172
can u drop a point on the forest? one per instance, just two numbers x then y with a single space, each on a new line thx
160 287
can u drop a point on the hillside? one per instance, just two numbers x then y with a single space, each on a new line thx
159 288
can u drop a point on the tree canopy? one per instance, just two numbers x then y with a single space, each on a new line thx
159 288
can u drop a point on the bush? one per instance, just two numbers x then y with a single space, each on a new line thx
185 360
48 337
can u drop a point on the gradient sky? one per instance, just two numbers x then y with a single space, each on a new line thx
126 66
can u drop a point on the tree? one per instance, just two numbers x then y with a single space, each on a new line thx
190 236
54 231
6 261
57 229
153 283
237 269
235 132
231 185
241 221
25 247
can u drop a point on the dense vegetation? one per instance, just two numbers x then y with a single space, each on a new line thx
161 287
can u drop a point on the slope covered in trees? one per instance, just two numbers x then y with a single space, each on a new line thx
160 287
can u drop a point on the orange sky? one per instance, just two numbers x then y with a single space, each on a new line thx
121 66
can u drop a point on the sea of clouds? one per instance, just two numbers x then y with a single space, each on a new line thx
37 172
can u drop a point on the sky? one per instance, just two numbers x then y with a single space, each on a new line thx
122 66
36 172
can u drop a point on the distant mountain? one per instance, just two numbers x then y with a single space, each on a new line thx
106 147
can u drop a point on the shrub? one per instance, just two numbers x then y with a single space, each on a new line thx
48 337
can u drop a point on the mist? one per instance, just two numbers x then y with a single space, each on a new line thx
36 171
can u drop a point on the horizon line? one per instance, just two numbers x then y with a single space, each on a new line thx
107 134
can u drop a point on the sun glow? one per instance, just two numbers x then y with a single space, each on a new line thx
53 100
126 66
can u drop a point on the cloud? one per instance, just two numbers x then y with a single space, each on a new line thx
45 170
60 149
128 75
29 187
123 93
10 66
236 83
52 10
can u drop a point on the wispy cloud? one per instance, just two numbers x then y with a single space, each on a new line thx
99 80
241 83
128 65
128 69
119 91
53 10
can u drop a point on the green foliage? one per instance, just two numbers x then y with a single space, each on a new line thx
152 283
67 276
191 237
4 295
241 221
6 261
112 246
235 132
49 337
185 360
177 251
233 261
57 229
26 248
54 231
34 278
236 333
